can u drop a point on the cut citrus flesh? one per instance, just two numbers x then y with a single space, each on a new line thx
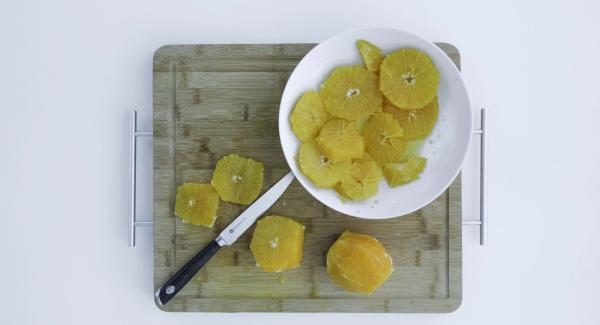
308 116
384 139
416 123
197 204
351 93
360 181
340 140
340 193
360 123
370 54
397 174
277 243
238 179
365 158
358 263
408 78
318 168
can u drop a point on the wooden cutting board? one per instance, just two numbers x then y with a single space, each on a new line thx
212 100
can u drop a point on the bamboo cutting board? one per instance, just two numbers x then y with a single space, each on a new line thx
212 100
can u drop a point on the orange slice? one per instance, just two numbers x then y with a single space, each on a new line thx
318 168
384 138
340 140
360 181
351 93
408 78
398 174
416 123
238 179
370 54
277 243
308 116
197 204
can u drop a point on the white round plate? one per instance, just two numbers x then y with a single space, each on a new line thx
445 148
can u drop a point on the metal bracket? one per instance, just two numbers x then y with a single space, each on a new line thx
482 222
133 135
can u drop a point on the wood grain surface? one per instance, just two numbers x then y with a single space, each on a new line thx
212 100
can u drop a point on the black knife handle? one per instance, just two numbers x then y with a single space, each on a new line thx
186 273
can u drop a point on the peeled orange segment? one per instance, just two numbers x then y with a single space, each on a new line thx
277 243
340 193
197 204
384 138
308 116
397 174
340 140
360 181
238 179
358 263
318 168
365 158
351 93
360 123
370 54
408 78
416 123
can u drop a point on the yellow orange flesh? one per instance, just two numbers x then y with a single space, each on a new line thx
360 181
238 179
398 174
318 168
340 140
384 138
277 243
308 116
370 54
358 263
351 93
416 123
197 204
408 78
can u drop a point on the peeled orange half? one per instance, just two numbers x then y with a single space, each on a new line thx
358 263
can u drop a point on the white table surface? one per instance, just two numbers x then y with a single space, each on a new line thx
71 71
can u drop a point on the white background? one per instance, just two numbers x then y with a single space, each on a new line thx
71 71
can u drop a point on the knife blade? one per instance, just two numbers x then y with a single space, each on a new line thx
226 238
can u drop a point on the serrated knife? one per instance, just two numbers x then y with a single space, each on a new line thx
227 237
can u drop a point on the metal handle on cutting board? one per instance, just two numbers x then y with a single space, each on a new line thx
482 222
133 135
